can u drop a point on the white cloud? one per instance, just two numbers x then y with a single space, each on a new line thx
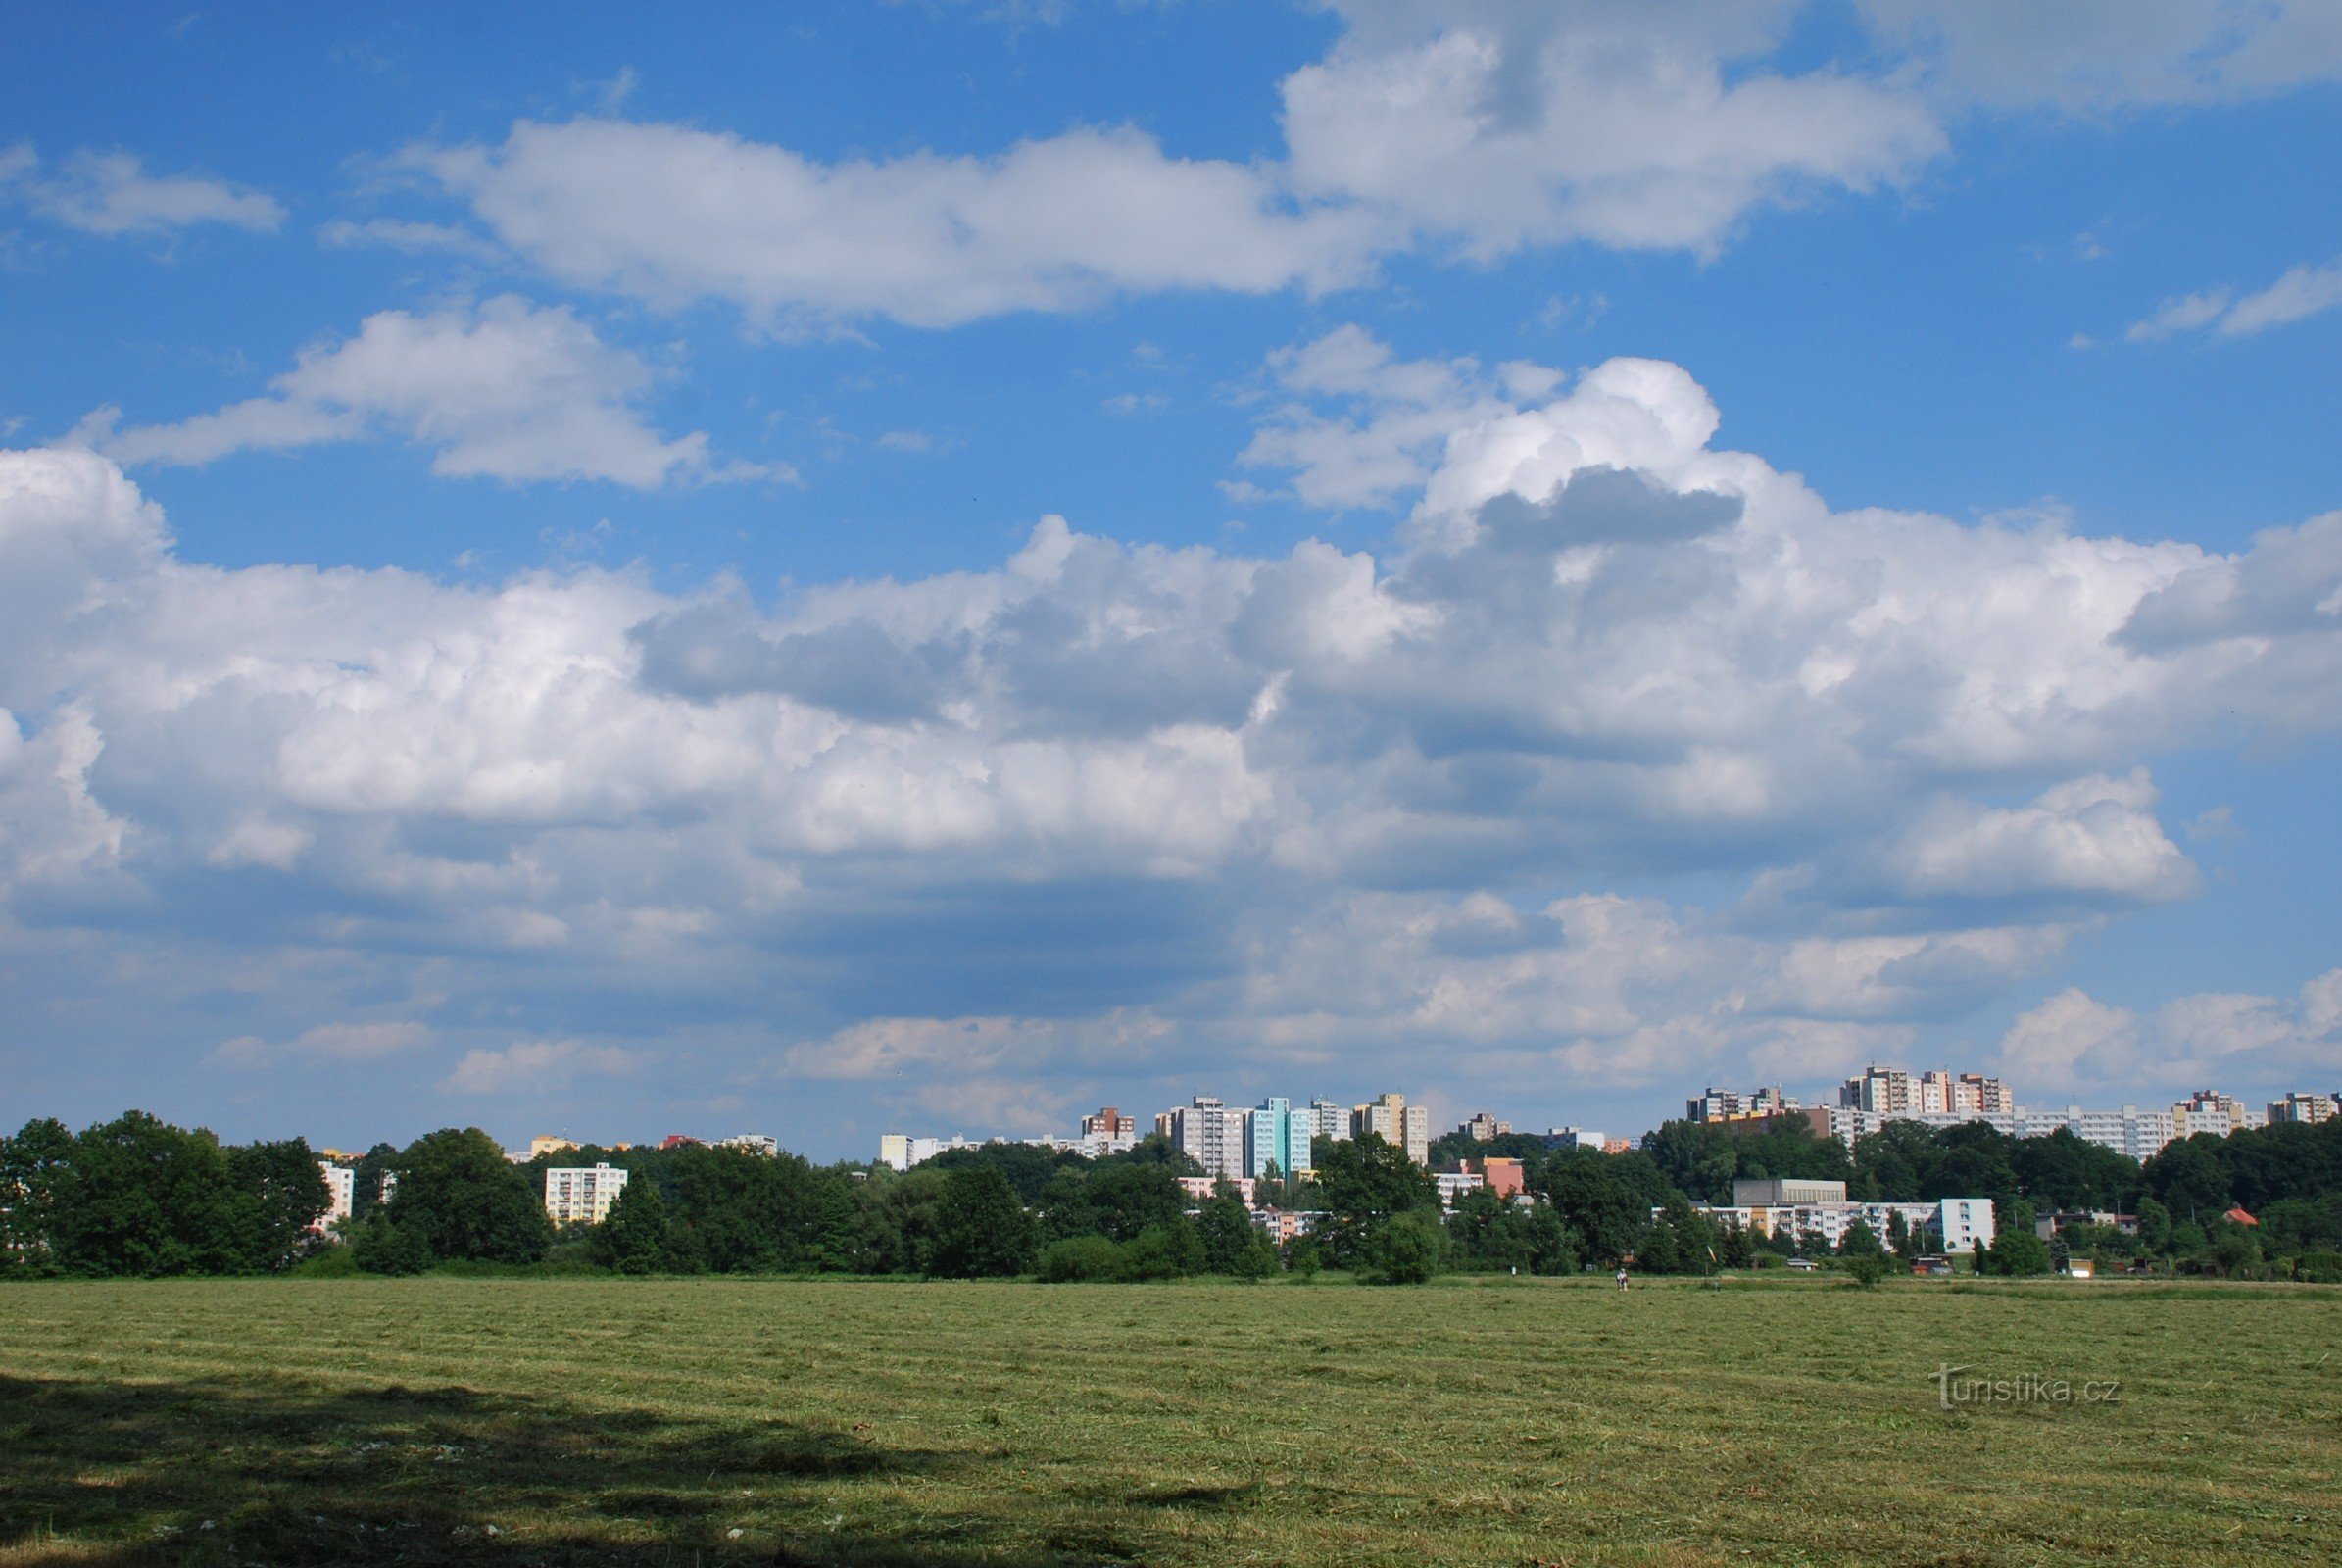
328 1044
2303 292
2094 836
672 215
1631 125
2103 55
2074 1043
1315 800
408 235
1478 126
506 390
2185 314
112 194
534 1066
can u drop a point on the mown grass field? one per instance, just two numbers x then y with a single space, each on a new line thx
1506 1422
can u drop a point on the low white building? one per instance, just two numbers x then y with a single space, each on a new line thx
752 1143
901 1151
582 1193
1454 1184
1961 1221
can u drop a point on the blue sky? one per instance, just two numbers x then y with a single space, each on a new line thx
929 567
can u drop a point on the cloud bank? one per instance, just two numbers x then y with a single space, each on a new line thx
1108 808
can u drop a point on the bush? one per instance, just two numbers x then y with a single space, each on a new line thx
1163 1252
1404 1249
1079 1259
1867 1268
385 1248
2318 1268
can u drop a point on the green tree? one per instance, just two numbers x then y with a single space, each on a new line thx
145 1198
36 1171
1163 1252
2015 1250
633 1237
1363 1182
1231 1243
468 1201
1602 1214
1405 1248
383 1247
747 1213
280 1194
2155 1226
1859 1240
982 1231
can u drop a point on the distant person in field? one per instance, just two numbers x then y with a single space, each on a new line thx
1621 1276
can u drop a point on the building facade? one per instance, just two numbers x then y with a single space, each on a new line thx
581 1194
1390 1118
1211 1133
1276 1134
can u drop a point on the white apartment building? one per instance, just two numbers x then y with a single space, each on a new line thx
582 1193
1329 1120
1211 1133
901 1151
1574 1138
1959 1221
2298 1106
341 1193
751 1142
1454 1184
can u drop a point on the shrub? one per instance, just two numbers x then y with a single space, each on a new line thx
1404 1249
1081 1258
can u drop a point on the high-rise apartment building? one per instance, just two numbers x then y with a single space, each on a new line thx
581 1193
1880 1091
1483 1127
341 1192
1211 1133
1390 1118
1329 1120
1109 1122
1276 1134
2298 1106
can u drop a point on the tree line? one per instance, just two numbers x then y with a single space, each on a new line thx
136 1196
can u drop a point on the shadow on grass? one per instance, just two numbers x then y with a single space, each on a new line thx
223 1473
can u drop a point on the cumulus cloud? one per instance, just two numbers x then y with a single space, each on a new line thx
113 194
325 1043
2095 56
2303 292
534 1066
2096 837
504 390
672 215
1630 124
1478 128
2074 1043
1046 817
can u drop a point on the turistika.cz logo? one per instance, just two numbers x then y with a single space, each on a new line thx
1955 1390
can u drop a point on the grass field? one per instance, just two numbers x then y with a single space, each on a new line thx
1506 1422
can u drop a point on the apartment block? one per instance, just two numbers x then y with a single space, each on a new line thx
2311 1107
1211 1133
341 1192
1483 1127
1276 1134
1329 1120
1390 1118
752 1143
582 1193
